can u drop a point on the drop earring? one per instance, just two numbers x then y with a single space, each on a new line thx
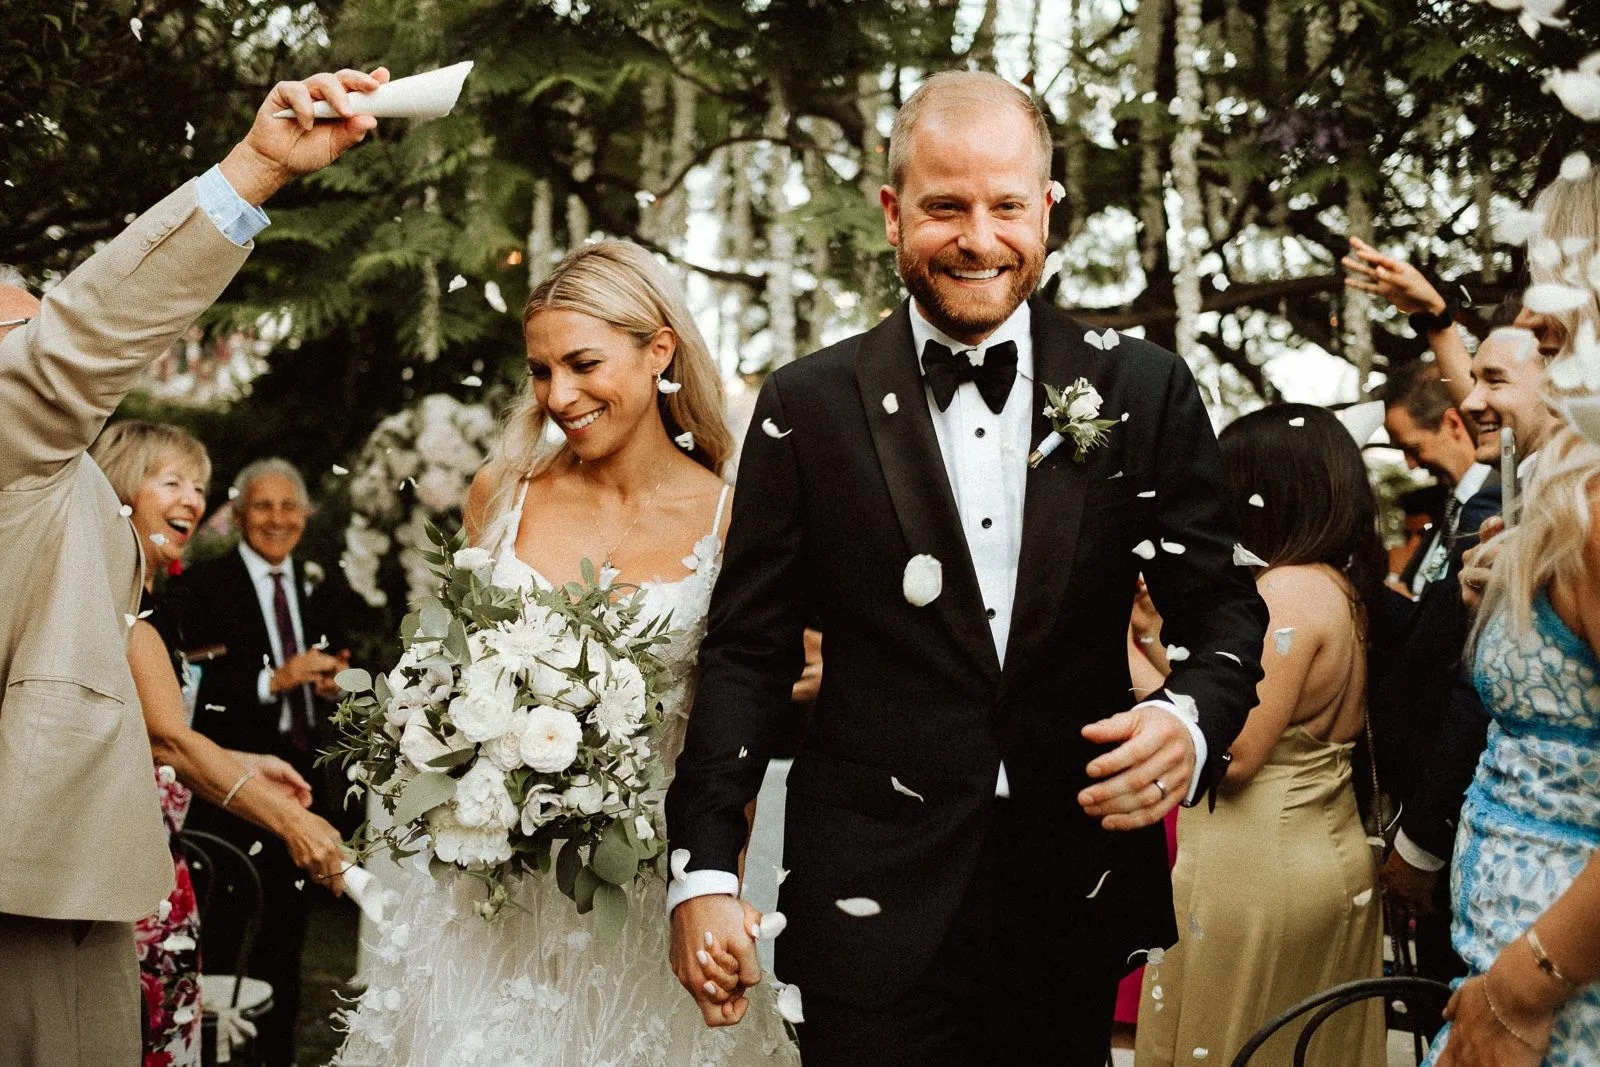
665 386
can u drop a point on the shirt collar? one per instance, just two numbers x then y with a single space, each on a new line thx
259 568
1018 328
1472 481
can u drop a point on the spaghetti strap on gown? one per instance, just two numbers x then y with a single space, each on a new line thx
536 987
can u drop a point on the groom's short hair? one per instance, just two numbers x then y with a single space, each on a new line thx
959 90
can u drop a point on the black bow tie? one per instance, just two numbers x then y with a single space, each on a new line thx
945 370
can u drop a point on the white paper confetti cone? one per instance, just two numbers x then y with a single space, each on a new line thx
420 96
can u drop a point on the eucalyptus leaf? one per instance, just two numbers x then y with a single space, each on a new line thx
353 680
455 641
454 758
568 863
584 888
610 912
422 794
381 689
614 859
433 619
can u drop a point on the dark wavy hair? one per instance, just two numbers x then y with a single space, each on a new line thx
1316 502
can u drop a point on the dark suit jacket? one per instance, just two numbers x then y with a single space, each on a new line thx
1478 507
1428 725
824 523
217 606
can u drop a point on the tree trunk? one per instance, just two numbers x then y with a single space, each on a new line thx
1192 237
780 243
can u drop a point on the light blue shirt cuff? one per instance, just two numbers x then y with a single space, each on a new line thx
701 884
1199 739
238 220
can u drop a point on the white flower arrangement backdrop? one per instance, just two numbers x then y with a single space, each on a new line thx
414 469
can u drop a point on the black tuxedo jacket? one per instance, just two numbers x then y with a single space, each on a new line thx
1478 507
217 608
914 700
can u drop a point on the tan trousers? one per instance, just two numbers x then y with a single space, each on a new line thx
69 993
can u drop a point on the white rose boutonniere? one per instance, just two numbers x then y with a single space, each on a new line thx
312 575
1073 413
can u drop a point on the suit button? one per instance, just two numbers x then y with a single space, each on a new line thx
979 432
988 613
986 523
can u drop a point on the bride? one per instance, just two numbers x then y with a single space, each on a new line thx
616 363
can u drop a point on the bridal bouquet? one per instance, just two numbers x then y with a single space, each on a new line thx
516 733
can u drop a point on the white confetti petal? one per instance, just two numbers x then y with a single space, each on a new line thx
216 707
1201 1053
1255 501
903 789
1109 477
255 848
975 356
188 131
472 381
1125 415
300 883
644 197
1156 956
340 470
1187 708
137 26
1156 993
891 403
770 428
782 874
1363 898
773 923
1518 227
1173 547
685 441
1281 639
679 861
1177 653
158 539
1148 494
922 581
1543 252
233 492
1145 550
491 293
1553 298
163 910
126 511
1096 890
1243 557
1297 421
166 775
859 907
458 282
1574 246
743 752
129 619
1230 655
789 1005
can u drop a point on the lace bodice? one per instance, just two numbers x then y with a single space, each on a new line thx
683 601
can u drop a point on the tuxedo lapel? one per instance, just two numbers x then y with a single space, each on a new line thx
919 486
1052 509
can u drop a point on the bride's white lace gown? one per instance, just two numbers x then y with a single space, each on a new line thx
536 987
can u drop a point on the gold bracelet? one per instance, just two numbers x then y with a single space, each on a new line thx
1546 964
243 778
1524 1042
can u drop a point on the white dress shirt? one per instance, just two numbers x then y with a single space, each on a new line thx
1439 549
261 578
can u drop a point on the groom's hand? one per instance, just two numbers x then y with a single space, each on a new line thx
709 934
1152 744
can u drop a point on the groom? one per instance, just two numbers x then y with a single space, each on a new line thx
972 837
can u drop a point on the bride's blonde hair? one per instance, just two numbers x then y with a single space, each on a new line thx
625 287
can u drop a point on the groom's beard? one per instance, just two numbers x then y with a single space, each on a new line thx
961 313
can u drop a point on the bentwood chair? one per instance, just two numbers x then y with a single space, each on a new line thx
225 881
1419 996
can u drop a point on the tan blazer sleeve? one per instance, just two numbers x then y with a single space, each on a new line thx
63 374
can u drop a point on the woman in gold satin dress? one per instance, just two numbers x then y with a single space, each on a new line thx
1275 890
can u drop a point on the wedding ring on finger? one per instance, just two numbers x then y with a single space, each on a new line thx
1162 788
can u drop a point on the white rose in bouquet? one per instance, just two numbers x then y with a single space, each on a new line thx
405 703
585 795
505 751
550 740
482 801
419 745
523 644
471 559
620 707
466 845
488 697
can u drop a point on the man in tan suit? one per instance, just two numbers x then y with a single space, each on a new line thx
83 853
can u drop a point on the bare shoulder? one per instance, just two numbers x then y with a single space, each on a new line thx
1309 596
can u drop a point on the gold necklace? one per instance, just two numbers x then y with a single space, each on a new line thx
607 567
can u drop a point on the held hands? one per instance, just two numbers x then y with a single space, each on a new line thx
1395 280
312 667
714 954
324 685
275 151
1153 746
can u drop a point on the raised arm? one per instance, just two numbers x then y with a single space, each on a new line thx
1411 293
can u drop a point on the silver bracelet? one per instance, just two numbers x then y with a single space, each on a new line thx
243 778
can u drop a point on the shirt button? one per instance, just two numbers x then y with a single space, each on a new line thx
988 613
980 431
987 523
